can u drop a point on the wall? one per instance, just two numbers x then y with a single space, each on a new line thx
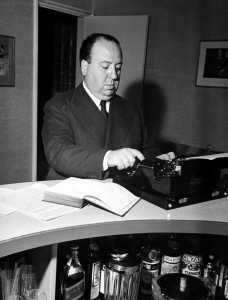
16 103
176 109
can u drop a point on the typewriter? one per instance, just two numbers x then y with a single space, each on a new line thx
186 180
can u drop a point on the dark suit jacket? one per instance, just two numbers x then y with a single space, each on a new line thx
75 137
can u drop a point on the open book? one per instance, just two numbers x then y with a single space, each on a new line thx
108 195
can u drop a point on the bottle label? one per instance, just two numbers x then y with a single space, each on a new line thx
72 271
191 265
149 270
226 282
76 291
221 275
102 279
206 272
216 279
226 289
95 280
170 264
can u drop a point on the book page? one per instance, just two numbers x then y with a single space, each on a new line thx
114 196
6 210
209 157
76 187
109 195
30 201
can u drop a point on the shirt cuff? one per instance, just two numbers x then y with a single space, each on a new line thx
105 164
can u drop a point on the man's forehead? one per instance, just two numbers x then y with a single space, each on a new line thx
106 50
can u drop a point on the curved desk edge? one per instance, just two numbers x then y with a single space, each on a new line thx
204 218
40 239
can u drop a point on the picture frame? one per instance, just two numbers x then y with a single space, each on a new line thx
7 60
213 64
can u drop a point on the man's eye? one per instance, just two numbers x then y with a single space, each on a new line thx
105 67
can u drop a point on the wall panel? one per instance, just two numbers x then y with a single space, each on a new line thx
176 109
16 103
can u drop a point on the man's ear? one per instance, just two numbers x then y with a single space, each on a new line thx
84 65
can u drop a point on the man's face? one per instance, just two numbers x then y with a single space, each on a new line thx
102 74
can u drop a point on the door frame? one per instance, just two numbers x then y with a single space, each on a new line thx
64 8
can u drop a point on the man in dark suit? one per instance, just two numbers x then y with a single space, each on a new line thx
90 129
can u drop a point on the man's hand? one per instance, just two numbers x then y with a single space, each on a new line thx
167 156
123 158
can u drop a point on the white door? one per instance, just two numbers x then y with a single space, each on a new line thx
131 31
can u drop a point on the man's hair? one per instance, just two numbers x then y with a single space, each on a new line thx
89 41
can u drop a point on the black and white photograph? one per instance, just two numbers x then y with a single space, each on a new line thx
213 64
7 61
113 149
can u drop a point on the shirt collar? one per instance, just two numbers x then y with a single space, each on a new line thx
94 98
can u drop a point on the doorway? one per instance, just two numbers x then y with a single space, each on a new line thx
57 36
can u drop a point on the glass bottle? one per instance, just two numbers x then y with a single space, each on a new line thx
171 258
210 274
62 261
150 256
122 275
222 287
101 295
93 270
192 258
209 268
133 245
108 243
73 281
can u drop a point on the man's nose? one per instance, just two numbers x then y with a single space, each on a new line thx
113 73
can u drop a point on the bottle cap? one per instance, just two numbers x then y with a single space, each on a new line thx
74 247
183 284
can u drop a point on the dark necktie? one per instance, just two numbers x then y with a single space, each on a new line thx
103 109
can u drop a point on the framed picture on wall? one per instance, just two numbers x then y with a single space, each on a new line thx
7 60
213 64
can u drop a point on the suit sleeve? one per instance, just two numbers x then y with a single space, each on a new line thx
61 150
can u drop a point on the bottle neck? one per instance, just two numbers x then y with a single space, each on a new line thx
93 245
74 257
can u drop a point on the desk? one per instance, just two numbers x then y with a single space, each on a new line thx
19 232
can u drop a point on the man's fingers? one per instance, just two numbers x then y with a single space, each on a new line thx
171 155
126 161
167 156
123 158
137 154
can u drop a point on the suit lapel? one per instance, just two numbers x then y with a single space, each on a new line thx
119 121
88 114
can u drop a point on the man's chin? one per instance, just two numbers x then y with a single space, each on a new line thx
108 95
